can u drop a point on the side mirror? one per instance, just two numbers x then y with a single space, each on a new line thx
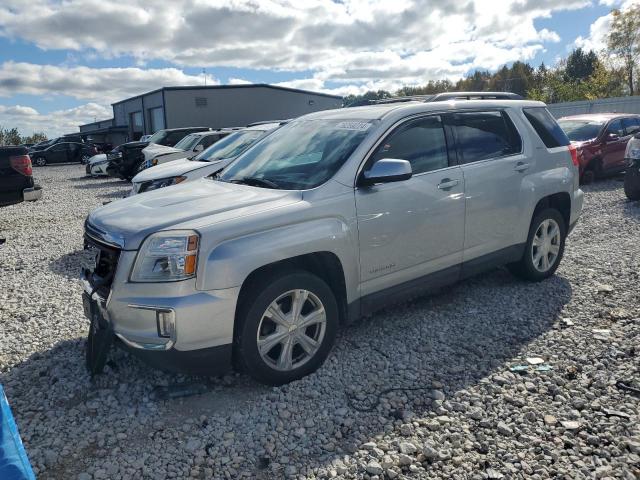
198 148
387 170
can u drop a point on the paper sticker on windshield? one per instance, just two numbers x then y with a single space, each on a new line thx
358 126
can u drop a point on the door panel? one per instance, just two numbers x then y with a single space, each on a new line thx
489 148
409 229
613 150
57 153
416 227
494 203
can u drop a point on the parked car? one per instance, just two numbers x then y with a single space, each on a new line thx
126 162
330 217
632 171
189 146
16 177
47 143
601 139
206 163
64 152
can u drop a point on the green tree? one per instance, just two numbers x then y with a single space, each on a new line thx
9 136
35 138
581 65
364 99
624 41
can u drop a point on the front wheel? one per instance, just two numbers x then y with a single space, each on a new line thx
544 247
632 183
287 327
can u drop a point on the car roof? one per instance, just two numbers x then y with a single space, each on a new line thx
379 111
598 117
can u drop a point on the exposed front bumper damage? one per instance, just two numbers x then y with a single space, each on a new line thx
172 326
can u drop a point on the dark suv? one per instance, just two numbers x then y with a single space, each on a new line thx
16 181
601 139
125 162
63 152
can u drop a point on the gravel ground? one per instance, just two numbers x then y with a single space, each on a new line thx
472 417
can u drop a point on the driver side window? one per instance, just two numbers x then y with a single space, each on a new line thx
615 127
421 142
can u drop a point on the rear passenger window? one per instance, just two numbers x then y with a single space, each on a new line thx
421 142
484 135
546 127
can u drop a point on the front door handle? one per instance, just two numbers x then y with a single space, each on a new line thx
447 184
521 166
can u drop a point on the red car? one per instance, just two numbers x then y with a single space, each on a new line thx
601 139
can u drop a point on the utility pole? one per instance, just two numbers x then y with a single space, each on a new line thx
204 73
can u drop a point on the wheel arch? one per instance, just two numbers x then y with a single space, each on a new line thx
560 201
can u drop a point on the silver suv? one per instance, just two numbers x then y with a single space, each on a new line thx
332 216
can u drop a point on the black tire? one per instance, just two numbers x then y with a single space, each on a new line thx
260 296
525 267
632 183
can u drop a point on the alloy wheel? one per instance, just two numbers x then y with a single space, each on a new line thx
291 330
545 246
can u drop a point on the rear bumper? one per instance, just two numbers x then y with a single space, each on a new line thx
32 194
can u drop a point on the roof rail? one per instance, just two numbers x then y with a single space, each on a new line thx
440 97
265 122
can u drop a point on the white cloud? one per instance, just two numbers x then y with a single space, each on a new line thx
28 120
101 85
599 29
352 41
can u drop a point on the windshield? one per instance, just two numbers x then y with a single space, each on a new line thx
188 142
157 137
299 155
230 146
580 130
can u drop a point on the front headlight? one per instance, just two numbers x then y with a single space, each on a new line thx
161 183
167 257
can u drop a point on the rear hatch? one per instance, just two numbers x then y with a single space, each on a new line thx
12 182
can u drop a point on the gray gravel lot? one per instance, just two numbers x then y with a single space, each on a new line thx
473 417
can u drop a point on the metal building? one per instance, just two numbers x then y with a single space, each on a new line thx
209 106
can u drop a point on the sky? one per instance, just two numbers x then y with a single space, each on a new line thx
63 62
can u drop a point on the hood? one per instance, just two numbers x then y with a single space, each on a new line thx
101 157
169 169
154 149
134 145
203 201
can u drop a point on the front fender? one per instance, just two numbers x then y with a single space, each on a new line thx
231 262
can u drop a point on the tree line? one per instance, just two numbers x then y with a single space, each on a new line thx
11 136
582 75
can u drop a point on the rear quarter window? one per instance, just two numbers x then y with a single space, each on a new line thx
546 127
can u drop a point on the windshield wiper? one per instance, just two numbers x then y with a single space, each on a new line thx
255 181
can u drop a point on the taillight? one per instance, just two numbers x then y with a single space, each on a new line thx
574 155
21 164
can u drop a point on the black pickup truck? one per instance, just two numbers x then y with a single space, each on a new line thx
16 180
125 162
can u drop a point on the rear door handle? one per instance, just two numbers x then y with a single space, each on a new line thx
446 184
521 166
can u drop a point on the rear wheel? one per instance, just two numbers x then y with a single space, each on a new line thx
287 328
544 247
85 159
40 161
632 183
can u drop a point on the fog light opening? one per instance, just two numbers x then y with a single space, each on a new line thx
166 320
